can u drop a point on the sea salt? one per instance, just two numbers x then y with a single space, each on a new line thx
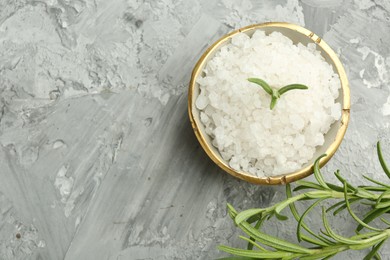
236 114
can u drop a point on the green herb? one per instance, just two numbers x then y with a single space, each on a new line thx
275 93
327 243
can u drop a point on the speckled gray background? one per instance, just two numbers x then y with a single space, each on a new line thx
97 156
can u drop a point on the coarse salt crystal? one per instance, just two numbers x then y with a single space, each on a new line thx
201 102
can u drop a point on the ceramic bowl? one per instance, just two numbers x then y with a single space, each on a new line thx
333 137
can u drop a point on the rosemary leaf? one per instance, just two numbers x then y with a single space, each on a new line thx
280 217
291 87
343 207
257 226
335 236
377 256
279 207
335 187
374 188
382 205
385 221
329 256
304 215
373 251
317 173
383 195
371 215
375 182
272 241
366 235
353 215
247 214
253 253
253 219
381 160
261 83
307 185
253 243
237 258
340 203
342 180
318 240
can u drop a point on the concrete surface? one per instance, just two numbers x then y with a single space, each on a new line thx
97 157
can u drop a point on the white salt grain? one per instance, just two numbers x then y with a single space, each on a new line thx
299 142
201 102
204 118
236 113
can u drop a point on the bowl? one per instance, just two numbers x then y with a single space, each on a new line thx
332 138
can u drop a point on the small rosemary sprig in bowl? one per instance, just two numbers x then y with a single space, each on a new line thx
327 243
275 93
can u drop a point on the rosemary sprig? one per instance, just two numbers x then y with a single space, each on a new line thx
327 243
275 93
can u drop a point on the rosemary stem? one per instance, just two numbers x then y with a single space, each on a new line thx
337 248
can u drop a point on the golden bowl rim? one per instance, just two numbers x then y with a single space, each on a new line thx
330 151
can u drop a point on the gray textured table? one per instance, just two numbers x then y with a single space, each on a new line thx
97 156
